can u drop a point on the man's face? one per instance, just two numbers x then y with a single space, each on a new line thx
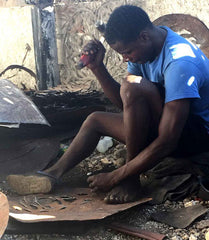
138 51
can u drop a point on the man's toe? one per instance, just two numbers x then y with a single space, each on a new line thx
109 198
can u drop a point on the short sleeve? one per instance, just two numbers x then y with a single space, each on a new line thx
134 68
182 80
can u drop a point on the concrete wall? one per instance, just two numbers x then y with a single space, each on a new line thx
12 3
16 37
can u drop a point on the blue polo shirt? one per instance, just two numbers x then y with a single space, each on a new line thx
183 69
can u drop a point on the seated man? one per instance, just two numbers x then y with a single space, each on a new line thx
165 104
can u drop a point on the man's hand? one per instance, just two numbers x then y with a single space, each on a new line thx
101 181
97 50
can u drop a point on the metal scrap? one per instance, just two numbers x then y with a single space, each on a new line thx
68 198
63 207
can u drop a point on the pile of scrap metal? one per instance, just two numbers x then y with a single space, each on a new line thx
64 109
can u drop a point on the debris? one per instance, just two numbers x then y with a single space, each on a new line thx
86 201
207 236
63 207
203 224
104 144
69 198
105 161
119 162
17 208
191 203
23 204
33 206
43 210
58 200
176 238
120 153
192 237
27 210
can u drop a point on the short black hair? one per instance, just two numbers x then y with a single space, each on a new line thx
125 23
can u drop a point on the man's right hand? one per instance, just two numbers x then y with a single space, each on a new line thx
97 50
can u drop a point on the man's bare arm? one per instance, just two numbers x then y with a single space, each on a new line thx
173 119
110 87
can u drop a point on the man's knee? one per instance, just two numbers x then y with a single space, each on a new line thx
140 90
92 121
131 92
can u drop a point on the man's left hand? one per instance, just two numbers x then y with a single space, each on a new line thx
101 181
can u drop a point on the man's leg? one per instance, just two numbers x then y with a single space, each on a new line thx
142 106
96 125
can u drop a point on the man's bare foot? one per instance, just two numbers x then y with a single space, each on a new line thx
24 185
126 191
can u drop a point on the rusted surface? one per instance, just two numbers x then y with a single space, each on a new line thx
4 213
136 231
25 156
189 27
75 204
16 108
181 217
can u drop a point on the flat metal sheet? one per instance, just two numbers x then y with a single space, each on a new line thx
181 217
75 204
25 156
16 107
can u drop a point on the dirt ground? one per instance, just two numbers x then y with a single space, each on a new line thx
139 216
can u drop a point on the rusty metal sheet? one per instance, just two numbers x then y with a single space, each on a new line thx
189 27
4 213
181 217
75 204
16 107
24 156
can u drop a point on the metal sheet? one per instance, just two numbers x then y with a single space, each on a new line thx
26 156
189 27
181 217
69 205
16 107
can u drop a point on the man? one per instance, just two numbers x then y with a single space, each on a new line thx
165 103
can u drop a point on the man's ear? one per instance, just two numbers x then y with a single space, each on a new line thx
143 36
